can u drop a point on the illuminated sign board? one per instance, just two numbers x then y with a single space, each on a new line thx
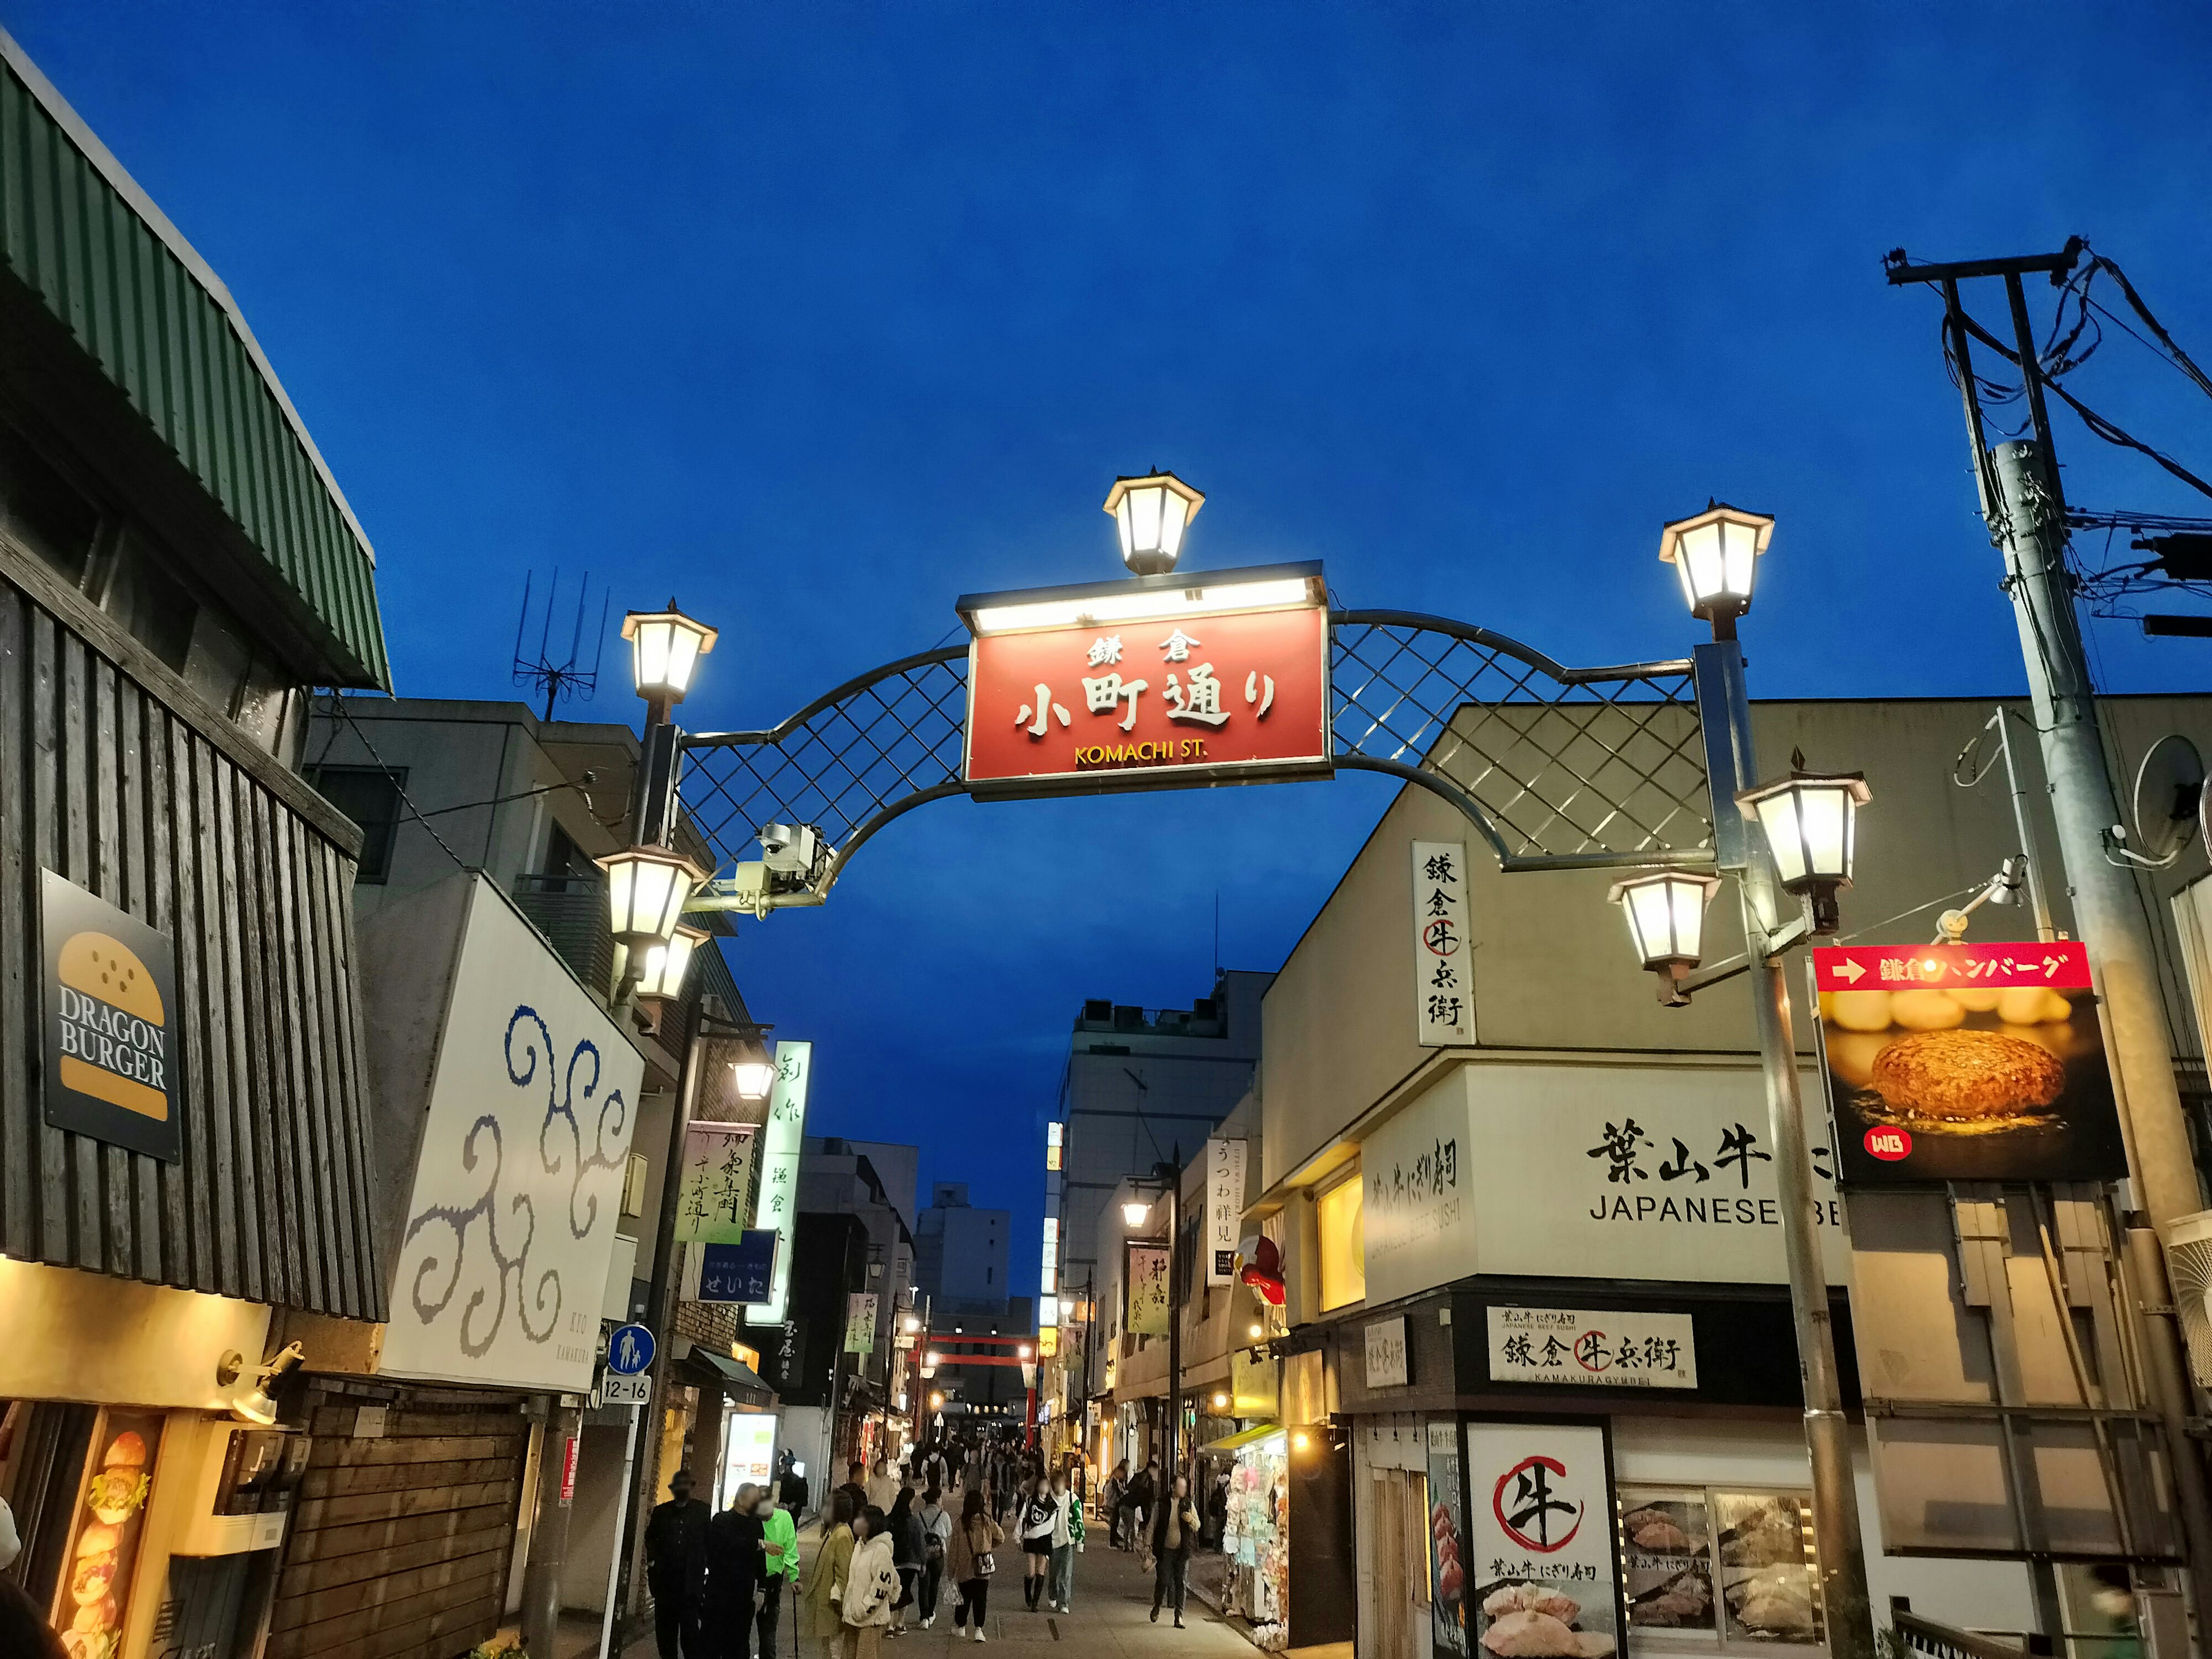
781 1141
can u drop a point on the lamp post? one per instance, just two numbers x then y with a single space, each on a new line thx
1803 853
1169 1175
665 646
1151 512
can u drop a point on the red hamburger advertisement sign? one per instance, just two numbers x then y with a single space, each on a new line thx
1163 682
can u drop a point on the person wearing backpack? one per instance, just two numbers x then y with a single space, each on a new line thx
936 1533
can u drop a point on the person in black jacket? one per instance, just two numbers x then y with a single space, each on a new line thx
1173 1536
675 1570
733 1574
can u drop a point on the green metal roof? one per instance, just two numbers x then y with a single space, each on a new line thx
77 231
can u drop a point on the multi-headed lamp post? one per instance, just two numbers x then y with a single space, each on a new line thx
1800 857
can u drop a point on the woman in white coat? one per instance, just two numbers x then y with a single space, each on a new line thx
872 1584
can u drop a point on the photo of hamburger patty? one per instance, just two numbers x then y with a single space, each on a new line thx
1967 1074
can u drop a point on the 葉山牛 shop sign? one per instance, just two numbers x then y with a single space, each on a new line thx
1576 1347
1542 1579
1634 1172
1206 679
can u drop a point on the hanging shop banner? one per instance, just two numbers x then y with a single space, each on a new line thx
113 1038
1225 1209
1444 988
1541 1560
1153 684
501 1267
743 1272
1448 1579
860 1323
1966 1062
1147 1281
777 1208
1574 1346
711 1200
1614 1172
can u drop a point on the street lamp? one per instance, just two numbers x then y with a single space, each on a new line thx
1151 511
646 888
664 647
1134 1212
755 1079
1716 553
665 965
1665 912
1810 820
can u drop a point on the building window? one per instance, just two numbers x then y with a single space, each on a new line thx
369 795
41 513
1342 1216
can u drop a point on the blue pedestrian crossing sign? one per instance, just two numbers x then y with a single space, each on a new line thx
629 1350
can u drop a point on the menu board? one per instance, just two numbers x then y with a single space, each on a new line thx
93 1595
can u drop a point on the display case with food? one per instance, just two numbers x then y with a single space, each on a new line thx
1768 1584
1938 1074
1666 1561
1709 1571
92 1596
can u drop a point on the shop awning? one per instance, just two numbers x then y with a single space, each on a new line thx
1241 1438
736 1380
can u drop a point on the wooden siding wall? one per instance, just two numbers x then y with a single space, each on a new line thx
400 1545
151 802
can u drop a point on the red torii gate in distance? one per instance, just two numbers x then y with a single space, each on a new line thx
1024 1356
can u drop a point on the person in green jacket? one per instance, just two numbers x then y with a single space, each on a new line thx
779 1562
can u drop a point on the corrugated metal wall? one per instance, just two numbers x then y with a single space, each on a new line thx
103 784
68 235
400 1544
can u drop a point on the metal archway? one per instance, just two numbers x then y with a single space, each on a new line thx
1556 768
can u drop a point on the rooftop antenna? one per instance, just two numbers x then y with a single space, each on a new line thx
565 677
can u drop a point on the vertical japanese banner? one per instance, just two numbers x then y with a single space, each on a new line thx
1444 983
1225 1209
1447 1535
1542 1572
780 1147
710 1200
1147 1282
860 1323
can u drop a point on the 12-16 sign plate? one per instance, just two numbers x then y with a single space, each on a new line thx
1132 699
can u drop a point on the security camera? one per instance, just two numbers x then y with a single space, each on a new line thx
791 849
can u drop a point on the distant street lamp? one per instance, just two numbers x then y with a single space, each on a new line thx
664 647
1666 913
1716 553
1810 820
1151 511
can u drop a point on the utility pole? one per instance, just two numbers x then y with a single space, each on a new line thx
2024 504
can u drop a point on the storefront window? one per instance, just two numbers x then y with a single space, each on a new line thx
1724 1569
1343 1221
1256 1536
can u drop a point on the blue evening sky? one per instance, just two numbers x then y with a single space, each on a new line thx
817 316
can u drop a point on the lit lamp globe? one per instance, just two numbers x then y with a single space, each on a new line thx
1134 1212
1716 553
665 648
647 888
1665 912
1810 820
665 965
755 1079
1152 512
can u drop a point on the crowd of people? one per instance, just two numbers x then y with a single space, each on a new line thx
901 1541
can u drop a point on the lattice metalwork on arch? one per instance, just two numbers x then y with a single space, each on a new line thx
1556 768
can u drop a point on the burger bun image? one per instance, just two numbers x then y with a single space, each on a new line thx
126 1451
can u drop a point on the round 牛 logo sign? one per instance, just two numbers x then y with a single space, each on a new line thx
1530 1510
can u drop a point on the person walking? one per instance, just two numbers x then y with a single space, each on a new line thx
733 1575
1175 1530
791 1487
906 1531
973 1560
1139 1498
779 1564
933 1470
1217 1512
856 1485
1109 1502
936 1534
872 1584
1067 1539
882 1488
1039 1517
675 1570
821 1599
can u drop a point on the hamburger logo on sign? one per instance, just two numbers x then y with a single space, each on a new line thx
112 1037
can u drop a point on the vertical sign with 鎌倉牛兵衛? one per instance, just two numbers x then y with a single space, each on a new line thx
1225 1209
781 1142
1444 980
